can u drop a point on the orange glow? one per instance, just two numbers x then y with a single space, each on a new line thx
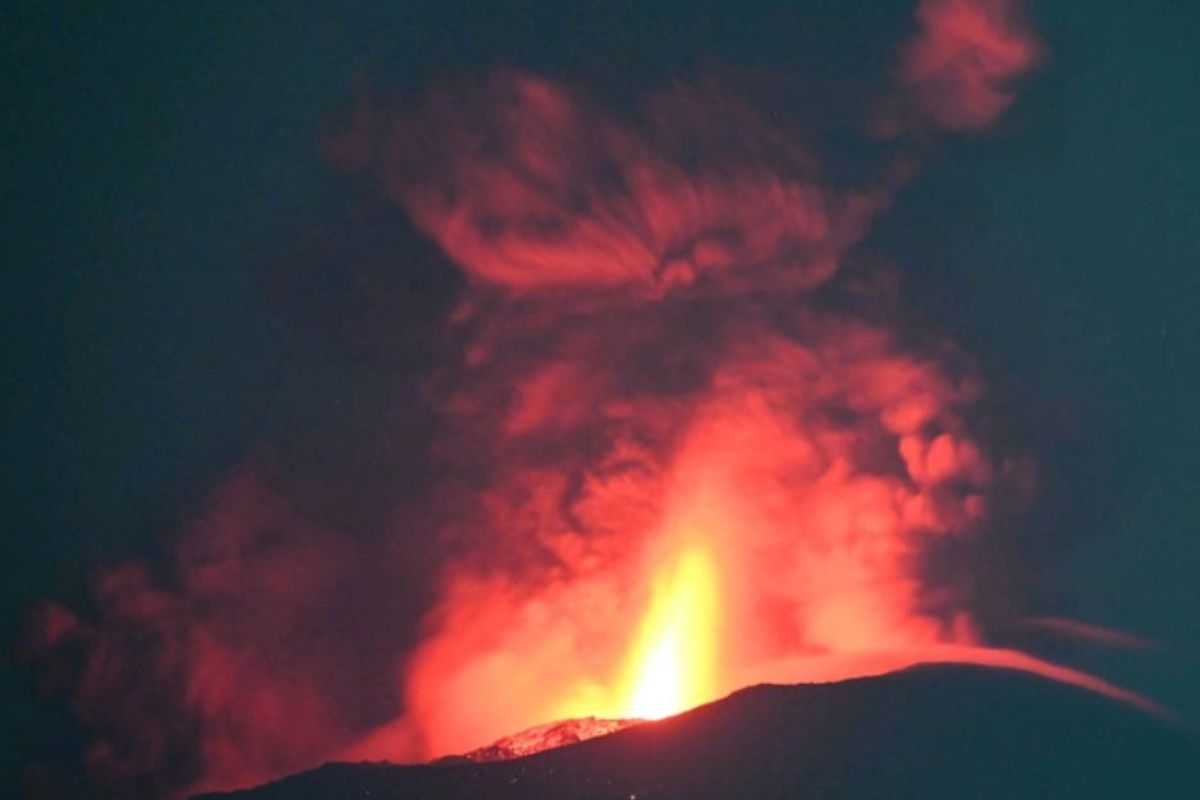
672 663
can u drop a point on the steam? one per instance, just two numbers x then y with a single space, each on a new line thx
664 340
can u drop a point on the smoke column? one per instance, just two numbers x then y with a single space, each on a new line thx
662 356
666 360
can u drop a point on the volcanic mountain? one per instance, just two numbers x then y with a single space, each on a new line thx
930 731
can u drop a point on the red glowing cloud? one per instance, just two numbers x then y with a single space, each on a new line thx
679 443
963 63
809 463
526 185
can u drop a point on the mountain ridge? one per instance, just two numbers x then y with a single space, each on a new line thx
927 731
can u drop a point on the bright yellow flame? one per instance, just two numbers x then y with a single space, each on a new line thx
672 666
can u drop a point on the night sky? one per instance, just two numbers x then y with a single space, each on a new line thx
165 189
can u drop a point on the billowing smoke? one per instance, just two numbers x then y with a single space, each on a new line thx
667 352
256 651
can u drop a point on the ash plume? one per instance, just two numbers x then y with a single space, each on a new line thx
664 339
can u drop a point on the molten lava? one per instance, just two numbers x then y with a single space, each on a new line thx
672 664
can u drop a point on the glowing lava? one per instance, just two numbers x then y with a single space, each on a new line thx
672 665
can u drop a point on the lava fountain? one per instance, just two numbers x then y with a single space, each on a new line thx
673 661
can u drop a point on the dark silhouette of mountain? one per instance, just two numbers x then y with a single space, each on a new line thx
932 732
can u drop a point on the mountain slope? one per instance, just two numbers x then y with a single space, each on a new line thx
933 731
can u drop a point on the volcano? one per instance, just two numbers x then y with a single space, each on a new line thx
930 731
621 402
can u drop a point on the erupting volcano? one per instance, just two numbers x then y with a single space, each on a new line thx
681 435
704 450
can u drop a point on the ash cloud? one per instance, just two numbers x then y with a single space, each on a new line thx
526 185
663 331
962 64
246 658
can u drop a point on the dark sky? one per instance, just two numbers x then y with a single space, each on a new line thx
161 162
